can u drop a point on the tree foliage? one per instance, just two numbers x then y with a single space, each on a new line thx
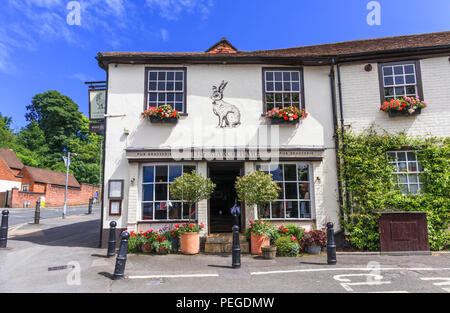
55 127
257 188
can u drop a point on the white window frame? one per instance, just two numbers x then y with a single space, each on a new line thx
407 173
282 92
141 192
404 85
311 191
27 187
158 92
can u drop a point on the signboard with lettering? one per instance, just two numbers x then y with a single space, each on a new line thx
97 104
98 128
224 154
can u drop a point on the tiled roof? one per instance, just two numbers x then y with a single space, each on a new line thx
11 158
41 175
324 50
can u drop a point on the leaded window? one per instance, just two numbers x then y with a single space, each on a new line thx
166 86
400 80
294 200
282 88
407 171
156 201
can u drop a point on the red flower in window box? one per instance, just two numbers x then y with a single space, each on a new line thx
402 106
289 114
162 114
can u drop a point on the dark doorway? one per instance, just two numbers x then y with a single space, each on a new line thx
223 199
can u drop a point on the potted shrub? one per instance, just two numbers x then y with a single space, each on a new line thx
403 106
191 188
134 242
146 240
260 233
287 115
291 230
162 114
257 188
174 238
287 246
314 240
161 245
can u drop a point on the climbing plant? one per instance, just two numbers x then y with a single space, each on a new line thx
370 184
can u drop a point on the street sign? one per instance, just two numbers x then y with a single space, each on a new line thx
98 128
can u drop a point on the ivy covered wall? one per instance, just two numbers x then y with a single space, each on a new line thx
369 180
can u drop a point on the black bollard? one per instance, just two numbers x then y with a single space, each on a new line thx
331 245
90 206
4 229
121 256
236 252
37 212
112 240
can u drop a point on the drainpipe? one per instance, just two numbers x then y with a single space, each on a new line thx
347 198
335 124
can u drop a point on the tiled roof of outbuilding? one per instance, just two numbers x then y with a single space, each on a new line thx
11 159
41 175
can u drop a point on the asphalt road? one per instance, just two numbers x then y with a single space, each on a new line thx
63 256
26 215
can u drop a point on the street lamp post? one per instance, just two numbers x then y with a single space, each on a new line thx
67 161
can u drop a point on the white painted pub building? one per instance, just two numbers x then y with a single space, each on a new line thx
341 84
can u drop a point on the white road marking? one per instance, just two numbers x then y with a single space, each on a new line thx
372 280
399 291
351 269
173 276
446 282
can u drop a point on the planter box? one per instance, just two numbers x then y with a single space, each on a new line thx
403 113
170 120
313 249
280 121
269 252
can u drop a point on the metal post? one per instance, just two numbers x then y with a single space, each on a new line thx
236 252
67 182
4 229
112 240
331 245
121 256
37 212
90 206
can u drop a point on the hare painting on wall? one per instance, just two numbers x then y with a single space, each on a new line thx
228 114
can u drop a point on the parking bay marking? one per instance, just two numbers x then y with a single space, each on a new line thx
350 269
445 282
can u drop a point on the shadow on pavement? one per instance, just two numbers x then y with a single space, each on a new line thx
83 235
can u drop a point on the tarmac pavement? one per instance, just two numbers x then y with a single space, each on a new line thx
63 256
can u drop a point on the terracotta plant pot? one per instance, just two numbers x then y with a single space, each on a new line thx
257 242
269 252
190 243
146 247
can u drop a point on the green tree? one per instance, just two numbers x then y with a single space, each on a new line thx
257 188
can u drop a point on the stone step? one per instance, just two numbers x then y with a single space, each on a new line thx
224 238
219 248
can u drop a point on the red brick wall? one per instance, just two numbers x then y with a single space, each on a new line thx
54 196
6 173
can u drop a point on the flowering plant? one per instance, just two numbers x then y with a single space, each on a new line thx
189 228
291 230
289 113
314 238
261 228
406 104
161 241
161 112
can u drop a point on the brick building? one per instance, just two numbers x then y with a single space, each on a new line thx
22 186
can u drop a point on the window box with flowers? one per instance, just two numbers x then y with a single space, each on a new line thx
286 115
403 106
161 114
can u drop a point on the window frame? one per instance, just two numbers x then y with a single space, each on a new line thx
141 193
418 74
286 69
311 191
396 173
167 69
27 188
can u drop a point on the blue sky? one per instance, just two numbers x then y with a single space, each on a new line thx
39 51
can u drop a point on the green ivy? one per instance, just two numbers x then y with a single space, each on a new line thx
370 184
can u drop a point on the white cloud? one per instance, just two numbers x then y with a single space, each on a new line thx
173 9
164 34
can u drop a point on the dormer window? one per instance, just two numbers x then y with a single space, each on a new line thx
166 86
